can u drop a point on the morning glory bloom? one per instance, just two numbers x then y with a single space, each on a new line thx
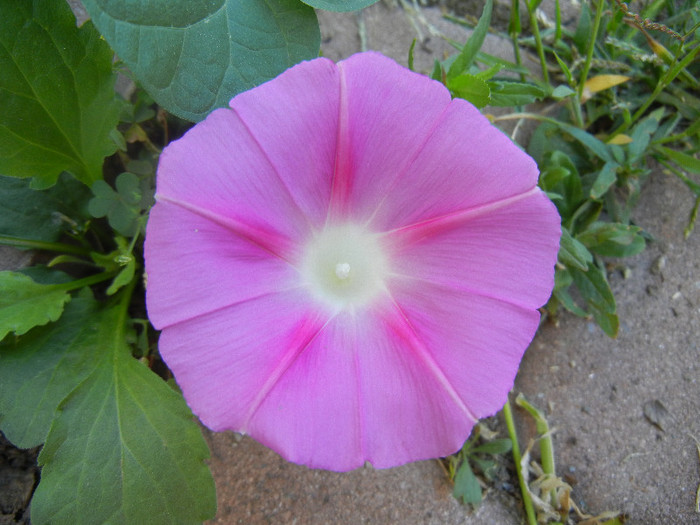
346 264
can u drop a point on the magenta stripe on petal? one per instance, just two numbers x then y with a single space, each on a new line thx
347 264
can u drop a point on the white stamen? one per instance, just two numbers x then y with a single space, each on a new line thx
342 270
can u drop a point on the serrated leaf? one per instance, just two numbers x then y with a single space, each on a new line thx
339 5
42 367
471 48
124 447
194 56
56 93
467 487
612 239
471 88
505 93
25 304
41 215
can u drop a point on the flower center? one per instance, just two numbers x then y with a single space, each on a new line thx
345 266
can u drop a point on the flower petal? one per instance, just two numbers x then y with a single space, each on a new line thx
505 250
465 162
295 121
219 168
225 361
477 342
361 392
196 266
387 113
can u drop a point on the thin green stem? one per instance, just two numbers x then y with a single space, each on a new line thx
591 48
517 458
538 44
85 281
43 245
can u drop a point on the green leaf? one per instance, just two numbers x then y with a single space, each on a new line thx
572 253
471 88
467 487
514 93
123 278
607 176
25 304
56 94
122 207
471 48
42 215
339 5
495 446
595 289
123 447
600 149
685 161
42 367
613 239
561 92
194 56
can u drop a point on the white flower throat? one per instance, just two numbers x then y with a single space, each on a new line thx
345 266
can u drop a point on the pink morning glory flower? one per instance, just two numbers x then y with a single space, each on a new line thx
346 264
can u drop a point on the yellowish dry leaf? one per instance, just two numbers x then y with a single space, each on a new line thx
600 83
620 139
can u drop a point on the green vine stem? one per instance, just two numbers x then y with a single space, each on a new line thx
517 458
85 281
43 245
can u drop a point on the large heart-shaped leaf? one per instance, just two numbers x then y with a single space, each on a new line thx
123 447
339 5
195 55
56 94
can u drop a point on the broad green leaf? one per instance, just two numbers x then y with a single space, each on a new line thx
595 289
612 239
42 367
471 48
339 5
514 93
124 447
56 94
467 487
194 56
471 88
606 178
572 253
25 304
42 215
